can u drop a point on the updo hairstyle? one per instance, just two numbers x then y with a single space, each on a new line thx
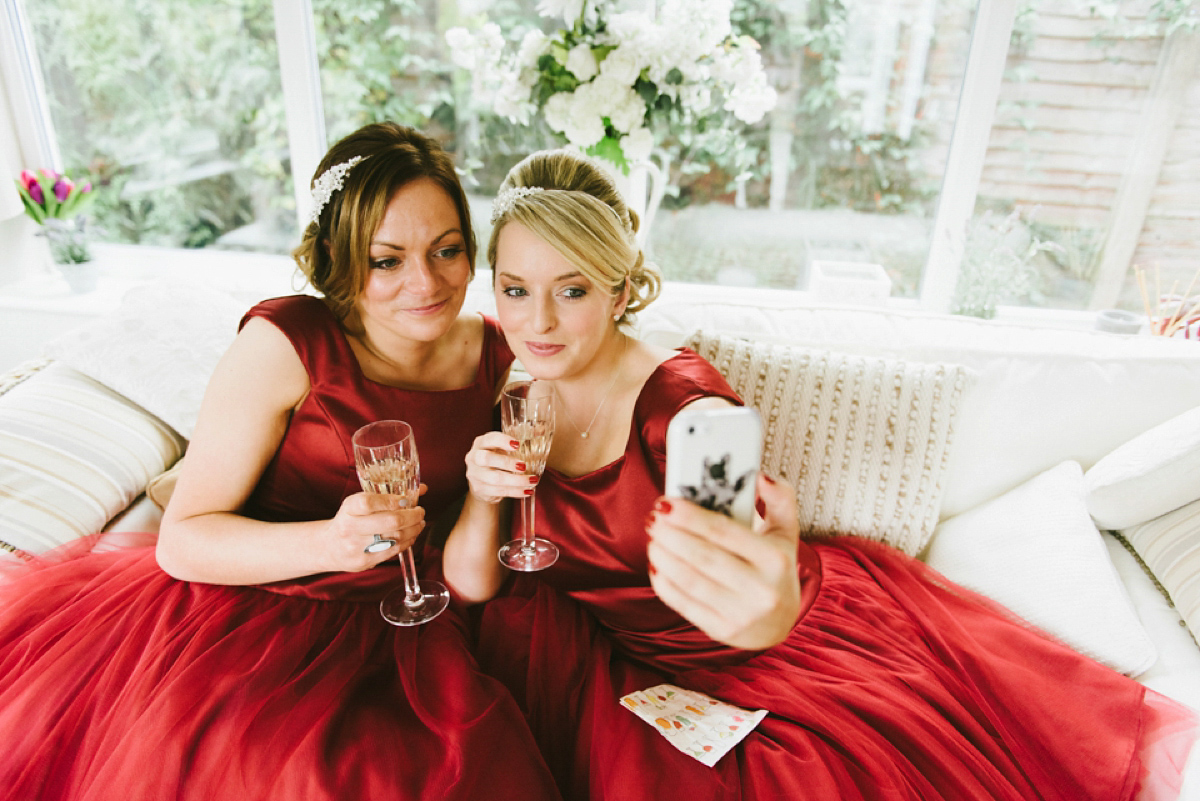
583 217
334 252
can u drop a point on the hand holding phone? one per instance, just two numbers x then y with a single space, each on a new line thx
739 584
713 458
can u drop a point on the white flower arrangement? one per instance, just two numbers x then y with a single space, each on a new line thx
613 84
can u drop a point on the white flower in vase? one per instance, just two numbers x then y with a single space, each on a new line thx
570 10
581 62
622 85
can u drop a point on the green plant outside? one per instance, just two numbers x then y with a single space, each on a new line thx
182 120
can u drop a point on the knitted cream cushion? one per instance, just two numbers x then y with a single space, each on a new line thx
863 440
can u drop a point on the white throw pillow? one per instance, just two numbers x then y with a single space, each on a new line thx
73 454
1150 475
1036 551
1170 547
864 441
158 349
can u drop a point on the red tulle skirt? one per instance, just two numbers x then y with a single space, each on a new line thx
895 684
119 682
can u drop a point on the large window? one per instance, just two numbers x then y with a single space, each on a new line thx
175 108
984 154
1092 167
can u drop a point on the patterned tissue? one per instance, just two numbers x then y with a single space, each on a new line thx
699 726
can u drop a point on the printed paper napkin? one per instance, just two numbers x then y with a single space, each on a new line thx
699 726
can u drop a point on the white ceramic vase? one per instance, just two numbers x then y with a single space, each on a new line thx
643 190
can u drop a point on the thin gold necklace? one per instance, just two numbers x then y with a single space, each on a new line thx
583 432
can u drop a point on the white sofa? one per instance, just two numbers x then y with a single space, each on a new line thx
1057 471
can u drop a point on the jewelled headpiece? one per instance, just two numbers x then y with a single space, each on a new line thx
507 198
330 181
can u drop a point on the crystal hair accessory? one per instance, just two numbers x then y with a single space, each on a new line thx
330 181
507 198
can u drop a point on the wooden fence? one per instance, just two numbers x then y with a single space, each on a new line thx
1098 134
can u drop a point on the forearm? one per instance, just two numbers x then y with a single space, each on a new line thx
469 559
226 548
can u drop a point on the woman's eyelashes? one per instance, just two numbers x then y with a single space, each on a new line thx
568 293
446 254
386 263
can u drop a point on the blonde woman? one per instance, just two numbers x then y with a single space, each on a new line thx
881 679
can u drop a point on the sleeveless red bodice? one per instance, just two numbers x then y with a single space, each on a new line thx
313 470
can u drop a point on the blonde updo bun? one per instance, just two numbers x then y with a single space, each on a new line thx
583 217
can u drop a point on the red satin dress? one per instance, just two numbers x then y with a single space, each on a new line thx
119 682
894 683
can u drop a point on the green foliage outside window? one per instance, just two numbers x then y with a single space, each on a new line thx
176 106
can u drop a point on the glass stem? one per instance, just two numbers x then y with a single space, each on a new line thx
527 516
412 590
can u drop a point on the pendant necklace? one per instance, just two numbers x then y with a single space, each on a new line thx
583 432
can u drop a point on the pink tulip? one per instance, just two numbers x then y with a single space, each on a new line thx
28 179
62 188
35 193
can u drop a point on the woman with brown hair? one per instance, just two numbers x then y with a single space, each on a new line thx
246 657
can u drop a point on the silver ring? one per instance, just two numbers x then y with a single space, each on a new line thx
380 544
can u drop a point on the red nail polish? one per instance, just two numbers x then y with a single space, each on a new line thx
520 466
662 505
529 491
533 479
514 444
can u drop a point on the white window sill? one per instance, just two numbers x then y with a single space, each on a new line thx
122 267
254 276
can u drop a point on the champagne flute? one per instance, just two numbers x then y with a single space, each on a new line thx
385 455
528 417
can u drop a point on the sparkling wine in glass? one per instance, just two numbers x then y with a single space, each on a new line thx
385 455
527 415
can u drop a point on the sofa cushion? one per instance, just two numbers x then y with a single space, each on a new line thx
1170 548
73 453
1152 474
162 487
158 349
863 440
1030 379
1036 551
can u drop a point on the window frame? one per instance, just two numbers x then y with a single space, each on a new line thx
301 86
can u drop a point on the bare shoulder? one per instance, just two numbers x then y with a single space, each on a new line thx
262 357
466 338
250 398
468 327
647 357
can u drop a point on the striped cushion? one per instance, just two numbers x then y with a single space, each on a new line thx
1170 547
73 454
863 440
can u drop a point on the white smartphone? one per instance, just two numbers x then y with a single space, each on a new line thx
713 458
